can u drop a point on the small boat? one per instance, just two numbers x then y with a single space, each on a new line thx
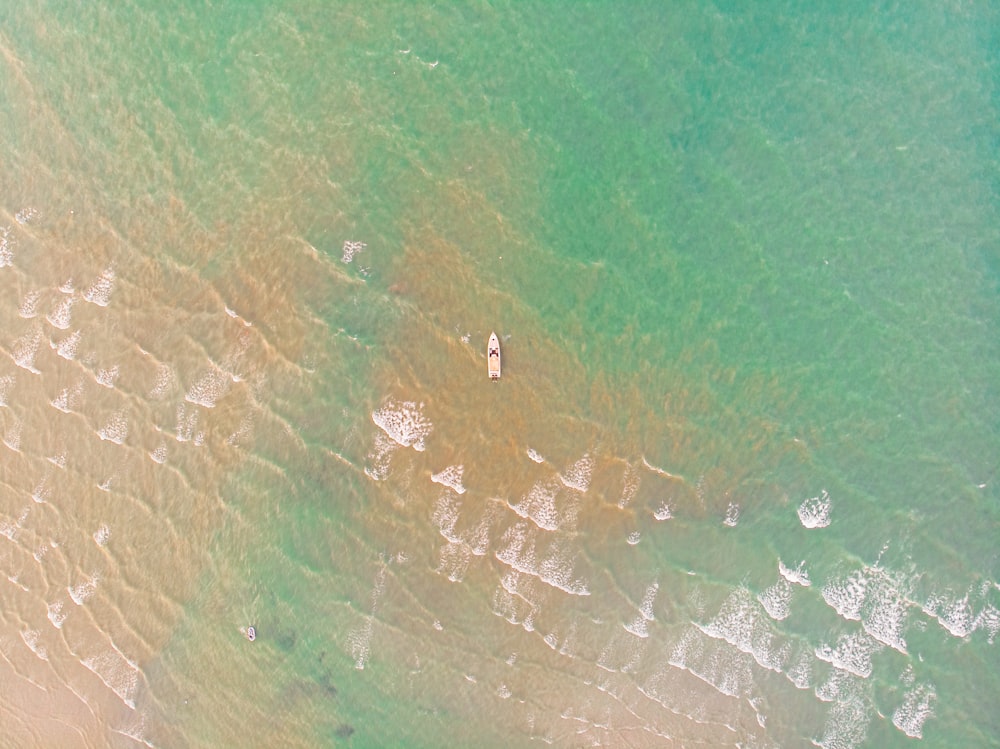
493 357
251 634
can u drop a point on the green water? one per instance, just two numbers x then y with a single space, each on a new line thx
744 266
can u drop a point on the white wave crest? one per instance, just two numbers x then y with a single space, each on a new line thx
776 599
60 316
799 575
6 247
910 716
102 535
99 292
577 476
80 593
25 349
875 597
815 512
119 674
29 305
56 615
66 348
450 477
539 506
208 389
116 428
404 422
852 653
6 382
107 377
350 249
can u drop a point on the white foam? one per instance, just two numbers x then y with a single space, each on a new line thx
107 377
958 615
539 506
479 538
29 306
915 709
453 561
555 569
663 512
26 215
404 423
799 672
577 476
445 516
658 471
67 286
99 292
6 247
118 674
776 599
30 637
136 732
847 595
187 422
513 607
377 468
741 623
450 477
56 615
9 530
535 456
242 432
66 348
116 428
646 607
164 381
632 480
25 348
12 438
732 515
102 535
236 316
815 512
846 724
852 653
61 401
638 627
6 382
799 575
839 685
208 389
60 316
350 249
80 593
716 663
875 597
633 538
42 491
159 455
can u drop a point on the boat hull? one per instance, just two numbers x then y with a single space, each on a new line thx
493 357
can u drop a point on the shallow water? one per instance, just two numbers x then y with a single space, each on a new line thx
736 487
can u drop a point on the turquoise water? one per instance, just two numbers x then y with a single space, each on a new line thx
736 487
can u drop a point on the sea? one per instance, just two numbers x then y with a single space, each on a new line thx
737 486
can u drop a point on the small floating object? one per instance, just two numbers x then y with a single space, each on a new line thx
251 634
493 357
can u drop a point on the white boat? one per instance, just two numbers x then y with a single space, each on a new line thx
493 357
251 634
